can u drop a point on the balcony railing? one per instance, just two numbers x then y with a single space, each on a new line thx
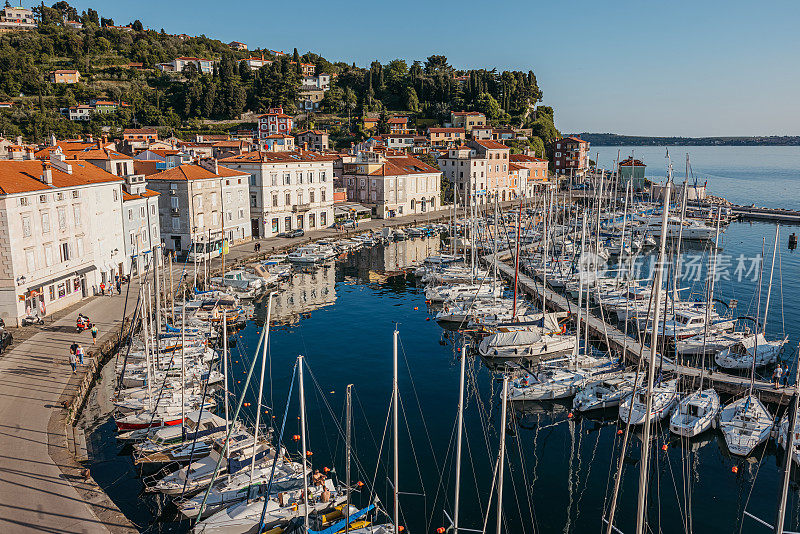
301 207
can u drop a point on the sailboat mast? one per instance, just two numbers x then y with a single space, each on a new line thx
580 291
787 468
516 258
348 438
641 506
710 303
183 368
758 319
459 434
145 327
771 272
396 425
303 441
546 231
501 460
261 385
225 370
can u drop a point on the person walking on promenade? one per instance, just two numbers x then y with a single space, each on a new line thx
119 287
785 374
79 354
94 334
776 376
72 361
102 288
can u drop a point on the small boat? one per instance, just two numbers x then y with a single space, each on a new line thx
695 414
604 393
529 343
551 384
745 423
634 408
740 355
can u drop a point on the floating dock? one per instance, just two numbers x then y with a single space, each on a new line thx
621 343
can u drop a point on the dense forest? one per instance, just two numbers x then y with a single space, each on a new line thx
426 90
608 139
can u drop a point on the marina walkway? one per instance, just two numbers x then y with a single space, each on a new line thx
623 344
41 486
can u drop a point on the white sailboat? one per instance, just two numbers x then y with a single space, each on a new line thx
745 423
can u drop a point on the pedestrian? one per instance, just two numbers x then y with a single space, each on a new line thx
119 287
73 348
94 334
776 376
102 288
785 374
79 354
72 362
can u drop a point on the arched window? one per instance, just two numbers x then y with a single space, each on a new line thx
412 204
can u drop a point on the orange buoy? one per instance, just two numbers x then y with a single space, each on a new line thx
440 530
619 432
296 437
401 528
569 415
309 453
326 469
664 447
416 308
734 469
359 484
427 318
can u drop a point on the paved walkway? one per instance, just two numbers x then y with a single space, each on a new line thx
38 493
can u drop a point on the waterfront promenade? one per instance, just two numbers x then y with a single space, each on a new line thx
42 487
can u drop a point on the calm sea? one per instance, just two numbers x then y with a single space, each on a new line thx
764 175
559 470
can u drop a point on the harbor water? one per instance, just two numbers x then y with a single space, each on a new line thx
559 470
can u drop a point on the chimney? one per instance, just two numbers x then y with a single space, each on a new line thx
305 146
29 154
19 140
53 141
47 174
90 139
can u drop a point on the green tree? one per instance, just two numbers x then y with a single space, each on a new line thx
487 105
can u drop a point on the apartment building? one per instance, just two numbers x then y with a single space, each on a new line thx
198 204
65 76
479 170
288 190
16 19
60 234
536 166
140 223
446 137
179 64
570 156
398 125
139 138
467 120
392 185
274 121
314 140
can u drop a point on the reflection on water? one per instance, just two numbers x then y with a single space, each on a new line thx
305 291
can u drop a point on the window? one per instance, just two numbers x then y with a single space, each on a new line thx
130 214
273 178
42 199
240 195
299 177
132 239
64 248
310 177
79 246
322 195
62 219
62 289
23 201
143 235
116 195
176 224
312 223
323 219
200 220
30 259
311 197
76 214
215 218
252 179
288 199
241 213
274 201
274 225
26 226
198 202
152 209
52 290
76 194
287 179
45 222
143 212
322 176
60 195
253 200
173 202
48 255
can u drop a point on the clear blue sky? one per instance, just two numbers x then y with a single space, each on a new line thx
692 68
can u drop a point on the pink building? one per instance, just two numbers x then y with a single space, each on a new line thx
275 121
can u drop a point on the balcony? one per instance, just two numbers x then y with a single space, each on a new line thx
301 208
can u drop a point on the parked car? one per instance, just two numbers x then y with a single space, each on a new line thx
349 223
5 340
297 232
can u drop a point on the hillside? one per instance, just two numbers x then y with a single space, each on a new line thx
103 53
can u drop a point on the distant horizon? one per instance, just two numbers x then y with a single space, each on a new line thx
683 69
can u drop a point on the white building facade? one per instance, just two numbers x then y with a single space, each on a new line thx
288 190
60 234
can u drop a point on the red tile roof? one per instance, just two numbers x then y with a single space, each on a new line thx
194 172
147 194
397 120
24 176
139 131
399 166
492 145
526 158
295 156
634 163
446 130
